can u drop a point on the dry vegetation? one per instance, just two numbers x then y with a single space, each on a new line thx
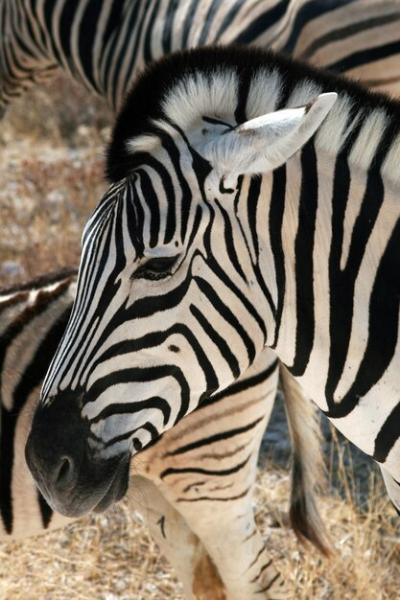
50 178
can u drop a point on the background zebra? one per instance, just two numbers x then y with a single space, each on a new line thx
195 464
187 249
103 44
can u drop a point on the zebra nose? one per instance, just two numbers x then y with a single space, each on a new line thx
57 444
73 479
64 472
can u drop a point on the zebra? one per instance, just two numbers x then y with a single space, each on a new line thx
252 204
28 52
104 44
30 34
33 317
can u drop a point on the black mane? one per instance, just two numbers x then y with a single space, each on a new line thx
144 101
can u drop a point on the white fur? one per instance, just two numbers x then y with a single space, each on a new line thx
198 94
261 98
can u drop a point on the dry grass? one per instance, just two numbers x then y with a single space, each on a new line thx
50 178
366 560
112 557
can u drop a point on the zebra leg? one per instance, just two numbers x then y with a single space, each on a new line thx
206 467
229 533
176 540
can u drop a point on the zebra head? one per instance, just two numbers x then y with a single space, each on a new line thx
172 304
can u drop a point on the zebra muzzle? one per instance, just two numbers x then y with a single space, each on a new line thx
70 476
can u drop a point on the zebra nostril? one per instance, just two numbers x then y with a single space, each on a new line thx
64 473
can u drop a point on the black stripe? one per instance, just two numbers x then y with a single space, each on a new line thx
114 20
341 33
230 243
262 23
304 268
147 52
214 265
363 57
86 39
175 156
262 569
207 21
218 340
257 556
270 584
211 499
342 281
46 511
211 472
243 385
187 25
168 28
133 29
118 408
207 441
227 315
252 201
143 375
309 11
388 435
66 20
151 200
276 212
228 19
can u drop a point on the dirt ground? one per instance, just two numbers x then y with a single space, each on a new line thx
51 176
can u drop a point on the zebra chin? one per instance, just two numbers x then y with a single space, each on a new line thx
72 477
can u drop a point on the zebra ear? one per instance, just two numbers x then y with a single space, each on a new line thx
267 142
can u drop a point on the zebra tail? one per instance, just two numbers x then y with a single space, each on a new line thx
308 471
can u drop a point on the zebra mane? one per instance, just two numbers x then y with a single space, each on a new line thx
238 83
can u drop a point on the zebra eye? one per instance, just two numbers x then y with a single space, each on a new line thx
155 268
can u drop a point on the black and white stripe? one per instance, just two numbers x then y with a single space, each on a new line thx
185 253
103 44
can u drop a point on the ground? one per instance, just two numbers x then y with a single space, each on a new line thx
51 175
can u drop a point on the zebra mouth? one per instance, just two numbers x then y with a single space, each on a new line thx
116 489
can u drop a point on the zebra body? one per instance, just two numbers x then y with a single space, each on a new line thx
103 44
191 266
175 482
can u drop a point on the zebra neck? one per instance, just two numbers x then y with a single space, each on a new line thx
335 260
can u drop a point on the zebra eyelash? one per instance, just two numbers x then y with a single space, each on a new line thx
155 269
